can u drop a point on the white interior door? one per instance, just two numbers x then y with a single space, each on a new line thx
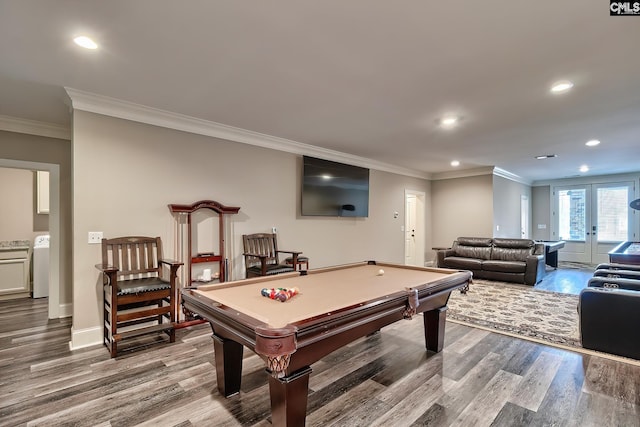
410 230
414 231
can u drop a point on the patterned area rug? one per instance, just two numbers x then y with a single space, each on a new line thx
518 310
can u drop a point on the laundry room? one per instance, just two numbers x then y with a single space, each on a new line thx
24 233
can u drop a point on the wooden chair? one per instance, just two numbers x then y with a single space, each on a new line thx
136 290
261 255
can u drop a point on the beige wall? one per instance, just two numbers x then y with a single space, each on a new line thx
126 173
461 207
16 193
20 219
507 197
541 213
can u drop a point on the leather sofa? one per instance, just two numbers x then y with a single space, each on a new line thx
609 311
509 260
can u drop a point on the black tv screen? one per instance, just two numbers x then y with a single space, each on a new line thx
334 189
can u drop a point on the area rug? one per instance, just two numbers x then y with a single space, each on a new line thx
543 316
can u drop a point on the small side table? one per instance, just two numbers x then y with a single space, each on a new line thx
301 260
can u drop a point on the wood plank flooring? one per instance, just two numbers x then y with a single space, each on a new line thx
480 379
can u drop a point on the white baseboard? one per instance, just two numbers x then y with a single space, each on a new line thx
81 338
66 310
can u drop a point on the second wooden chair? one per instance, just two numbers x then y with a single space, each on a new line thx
261 255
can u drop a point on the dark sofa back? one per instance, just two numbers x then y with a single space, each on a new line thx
512 249
473 247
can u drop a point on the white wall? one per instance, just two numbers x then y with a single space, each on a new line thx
461 207
126 173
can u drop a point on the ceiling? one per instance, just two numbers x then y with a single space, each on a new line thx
370 78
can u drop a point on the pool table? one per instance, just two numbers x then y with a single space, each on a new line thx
334 307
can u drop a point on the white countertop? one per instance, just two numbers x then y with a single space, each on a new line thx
15 245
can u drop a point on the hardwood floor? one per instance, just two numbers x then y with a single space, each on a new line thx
480 379
566 280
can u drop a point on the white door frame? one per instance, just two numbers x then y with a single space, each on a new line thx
54 227
524 216
591 250
419 235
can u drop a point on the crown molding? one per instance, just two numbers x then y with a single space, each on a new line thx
33 127
463 173
487 170
511 176
99 104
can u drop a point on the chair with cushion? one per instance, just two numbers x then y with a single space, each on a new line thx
139 289
261 255
302 260
609 310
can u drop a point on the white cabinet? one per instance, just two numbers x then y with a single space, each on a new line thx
14 272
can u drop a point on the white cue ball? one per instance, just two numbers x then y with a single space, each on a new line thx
380 272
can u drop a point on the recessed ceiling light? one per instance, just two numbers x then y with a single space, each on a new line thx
449 121
85 42
561 86
546 156
584 168
592 143
455 163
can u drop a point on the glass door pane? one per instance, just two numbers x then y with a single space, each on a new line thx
572 214
613 213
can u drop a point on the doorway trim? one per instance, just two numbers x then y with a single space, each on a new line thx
55 310
420 237
524 217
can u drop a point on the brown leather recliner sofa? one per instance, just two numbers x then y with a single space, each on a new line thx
509 260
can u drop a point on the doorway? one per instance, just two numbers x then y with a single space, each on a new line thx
55 310
592 219
414 229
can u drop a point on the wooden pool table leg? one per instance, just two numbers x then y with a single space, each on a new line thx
228 355
434 324
289 398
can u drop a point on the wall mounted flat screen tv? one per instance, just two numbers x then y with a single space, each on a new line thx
334 189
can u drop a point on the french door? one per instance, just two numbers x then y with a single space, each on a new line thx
592 219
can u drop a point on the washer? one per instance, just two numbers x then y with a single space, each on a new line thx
41 266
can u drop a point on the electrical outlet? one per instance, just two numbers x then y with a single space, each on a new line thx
95 237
